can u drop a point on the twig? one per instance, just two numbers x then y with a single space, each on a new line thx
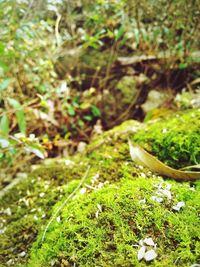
57 28
65 201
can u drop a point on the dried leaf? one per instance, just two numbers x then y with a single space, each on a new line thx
141 157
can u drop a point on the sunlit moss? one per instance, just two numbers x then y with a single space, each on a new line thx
109 240
108 236
175 139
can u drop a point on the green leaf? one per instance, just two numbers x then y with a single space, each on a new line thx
4 125
182 66
19 114
71 111
2 48
88 118
4 84
119 33
37 150
95 111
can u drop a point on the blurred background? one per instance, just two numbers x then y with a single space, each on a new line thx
72 69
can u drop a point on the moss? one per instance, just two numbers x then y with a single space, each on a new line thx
109 239
175 139
27 206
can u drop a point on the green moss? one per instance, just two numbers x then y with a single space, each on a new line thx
175 140
28 206
109 239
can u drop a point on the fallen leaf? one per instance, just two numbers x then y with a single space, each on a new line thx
141 157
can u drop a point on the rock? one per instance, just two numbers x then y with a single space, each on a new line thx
101 225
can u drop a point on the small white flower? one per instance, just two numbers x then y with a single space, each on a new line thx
150 255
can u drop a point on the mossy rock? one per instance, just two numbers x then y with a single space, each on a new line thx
103 226
174 139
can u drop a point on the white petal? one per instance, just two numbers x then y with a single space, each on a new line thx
141 253
22 254
142 201
178 206
150 255
83 191
99 207
149 241
157 199
141 243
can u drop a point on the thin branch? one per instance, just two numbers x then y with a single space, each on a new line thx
57 29
65 201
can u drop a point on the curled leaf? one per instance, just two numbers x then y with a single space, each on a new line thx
142 157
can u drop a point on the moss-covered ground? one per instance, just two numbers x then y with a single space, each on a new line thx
118 205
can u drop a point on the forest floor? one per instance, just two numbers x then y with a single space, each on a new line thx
120 214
